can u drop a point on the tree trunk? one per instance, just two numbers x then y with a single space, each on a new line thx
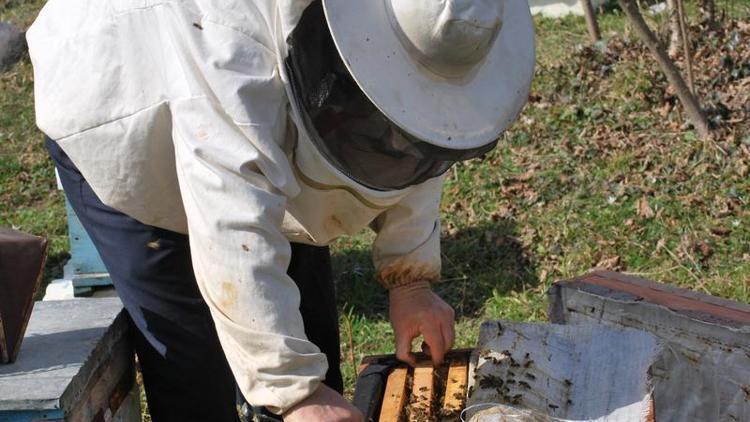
708 10
688 100
674 28
686 46
591 23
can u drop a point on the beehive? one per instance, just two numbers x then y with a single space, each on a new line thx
22 259
389 391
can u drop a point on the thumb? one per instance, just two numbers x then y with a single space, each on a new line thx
403 348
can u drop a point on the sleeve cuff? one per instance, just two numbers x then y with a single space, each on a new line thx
403 272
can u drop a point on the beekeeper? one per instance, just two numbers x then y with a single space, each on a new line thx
264 130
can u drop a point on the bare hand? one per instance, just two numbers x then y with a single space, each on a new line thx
324 405
415 310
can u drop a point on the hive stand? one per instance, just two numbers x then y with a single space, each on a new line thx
76 364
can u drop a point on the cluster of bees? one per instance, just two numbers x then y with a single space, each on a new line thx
517 376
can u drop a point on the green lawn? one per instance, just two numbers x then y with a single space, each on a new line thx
600 171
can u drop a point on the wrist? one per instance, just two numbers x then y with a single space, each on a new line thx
301 402
414 286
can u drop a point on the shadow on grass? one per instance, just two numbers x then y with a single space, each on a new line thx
477 261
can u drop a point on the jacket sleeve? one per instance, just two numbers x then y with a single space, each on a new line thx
407 245
240 256
234 181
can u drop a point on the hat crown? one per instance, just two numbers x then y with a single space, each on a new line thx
449 37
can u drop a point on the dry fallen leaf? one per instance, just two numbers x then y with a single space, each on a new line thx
531 197
644 209
741 169
704 249
543 275
611 263
525 177
661 244
502 212
721 231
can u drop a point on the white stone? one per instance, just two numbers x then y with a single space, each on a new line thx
559 8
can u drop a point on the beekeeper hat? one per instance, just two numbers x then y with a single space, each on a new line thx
454 73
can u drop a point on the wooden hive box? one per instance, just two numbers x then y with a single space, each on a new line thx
389 391
704 371
22 259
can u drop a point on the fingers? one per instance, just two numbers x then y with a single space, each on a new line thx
403 348
449 329
449 334
433 336
358 416
421 312
439 335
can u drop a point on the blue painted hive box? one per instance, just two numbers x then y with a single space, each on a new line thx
85 268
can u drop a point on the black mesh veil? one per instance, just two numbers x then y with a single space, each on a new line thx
345 126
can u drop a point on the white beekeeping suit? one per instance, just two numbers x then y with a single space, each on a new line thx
209 117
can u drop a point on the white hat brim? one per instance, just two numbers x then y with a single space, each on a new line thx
457 115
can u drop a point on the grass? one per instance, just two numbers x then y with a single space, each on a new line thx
560 196
28 193
600 171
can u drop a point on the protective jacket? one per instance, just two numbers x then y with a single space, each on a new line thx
178 114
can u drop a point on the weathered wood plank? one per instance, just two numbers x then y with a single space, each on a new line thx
109 387
422 392
687 302
581 372
703 371
394 398
455 388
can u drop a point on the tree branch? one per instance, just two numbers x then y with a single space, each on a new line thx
688 100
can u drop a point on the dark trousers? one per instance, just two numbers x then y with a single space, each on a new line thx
185 373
